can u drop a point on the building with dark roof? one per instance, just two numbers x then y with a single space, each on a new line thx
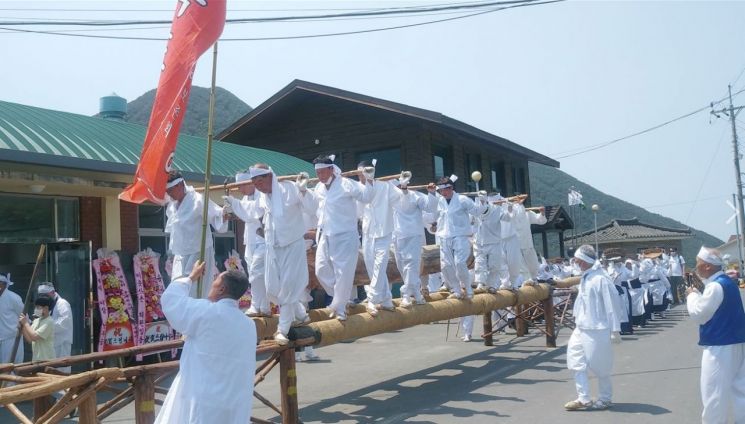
305 119
632 236
60 175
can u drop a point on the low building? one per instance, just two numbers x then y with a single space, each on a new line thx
60 175
632 236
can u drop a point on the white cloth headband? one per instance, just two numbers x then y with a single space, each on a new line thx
257 172
174 183
707 256
45 289
441 186
581 256
6 279
242 176
323 165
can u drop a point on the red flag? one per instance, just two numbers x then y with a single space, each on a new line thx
197 24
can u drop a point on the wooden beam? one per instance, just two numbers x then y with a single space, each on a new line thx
23 419
144 388
548 317
288 384
488 334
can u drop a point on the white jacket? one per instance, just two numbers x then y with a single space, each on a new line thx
337 210
523 219
454 218
184 223
377 215
407 214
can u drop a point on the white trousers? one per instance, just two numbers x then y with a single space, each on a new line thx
466 323
286 280
488 262
454 253
183 264
514 258
408 253
256 278
375 252
6 348
63 350
530 259
723 383
591 350
336 261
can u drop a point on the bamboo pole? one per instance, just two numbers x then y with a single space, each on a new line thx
27 303
208 170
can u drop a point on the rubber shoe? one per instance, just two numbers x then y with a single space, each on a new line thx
466 338
406 302
577 405
281 339
371 309
310 356
421 301
389 307
600 405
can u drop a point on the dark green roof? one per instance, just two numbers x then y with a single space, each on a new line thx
41 136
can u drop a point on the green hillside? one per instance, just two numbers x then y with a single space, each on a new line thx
549 187
228 109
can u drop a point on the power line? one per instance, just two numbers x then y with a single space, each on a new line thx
706 175
650 129
375 12
686 202
294 37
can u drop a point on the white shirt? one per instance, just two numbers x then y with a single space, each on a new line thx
489 225
62 316
336 204
701 307
408 220
523 219
184 223
245 209
377 215
595 306
676 264
216 372
11 306
454 217
289 225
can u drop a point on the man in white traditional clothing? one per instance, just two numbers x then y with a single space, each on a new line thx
63 323
216 373
408 238
454 212
377 231
335 199
286 261
245 209
184 225
488 251
597 325
720 313
676 270
11 306
621 276
513 255
523 219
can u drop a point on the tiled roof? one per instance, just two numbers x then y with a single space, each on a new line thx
41 136
624 230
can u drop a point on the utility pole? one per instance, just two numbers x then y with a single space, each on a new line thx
731 112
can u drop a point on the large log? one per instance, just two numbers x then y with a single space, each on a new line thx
363 325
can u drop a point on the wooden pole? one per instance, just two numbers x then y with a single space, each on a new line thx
520 324
488 333
208 170
144 387
27 303
548 317
288 383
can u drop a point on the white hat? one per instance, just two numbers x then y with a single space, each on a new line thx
242 176
708 256
45 288
6 279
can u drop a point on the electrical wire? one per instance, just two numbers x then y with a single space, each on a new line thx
293 37
591 148
706 175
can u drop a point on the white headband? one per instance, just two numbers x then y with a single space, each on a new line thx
581 256
45 288
707 256
257 172
6 279
174 183
242 176
441 186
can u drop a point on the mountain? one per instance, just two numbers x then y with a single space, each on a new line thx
228 109
549 186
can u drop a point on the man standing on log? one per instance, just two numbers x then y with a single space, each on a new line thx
184 225
338 240
454 213
597 325
720 312
216 373
286 261
255 253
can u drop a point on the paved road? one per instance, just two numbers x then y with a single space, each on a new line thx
416 376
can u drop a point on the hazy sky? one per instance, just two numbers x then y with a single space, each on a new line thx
554 78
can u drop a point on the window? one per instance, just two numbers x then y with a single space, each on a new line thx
473 163
34 219
442 161
497 178
389 161
518 180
